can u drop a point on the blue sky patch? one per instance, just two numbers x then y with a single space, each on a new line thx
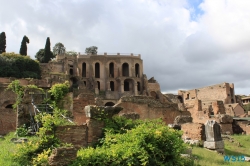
195 11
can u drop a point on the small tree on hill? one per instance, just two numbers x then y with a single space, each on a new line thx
2 42
59 49
23 49
48 55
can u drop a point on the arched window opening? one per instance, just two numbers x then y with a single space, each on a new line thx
111 70
138 86
112 85
97 70
98 85
137 70
125 70
9 106
126 85
84 83
84 71
154 94
180 99
109 104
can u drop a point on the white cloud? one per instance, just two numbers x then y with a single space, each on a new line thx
180 52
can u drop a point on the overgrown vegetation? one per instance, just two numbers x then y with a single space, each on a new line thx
137 143
18 66
19 90
36 152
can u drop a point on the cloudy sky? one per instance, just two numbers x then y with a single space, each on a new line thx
184 44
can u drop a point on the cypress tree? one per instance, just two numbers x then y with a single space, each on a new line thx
23 48
48 55
2 42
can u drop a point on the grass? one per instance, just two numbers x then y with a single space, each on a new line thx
207 157
7 149
204 157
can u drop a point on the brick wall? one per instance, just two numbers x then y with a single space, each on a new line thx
79 104
72 134
7 121
194 131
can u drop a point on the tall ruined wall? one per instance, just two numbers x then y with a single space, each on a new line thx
7 114
223 92
149 108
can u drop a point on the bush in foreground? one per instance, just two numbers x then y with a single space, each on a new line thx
149 143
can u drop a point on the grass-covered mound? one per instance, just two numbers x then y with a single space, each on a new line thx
18 66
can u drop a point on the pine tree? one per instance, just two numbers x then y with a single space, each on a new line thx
2 42
23 48
48 55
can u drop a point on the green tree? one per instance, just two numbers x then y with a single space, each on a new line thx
40 56
48 55
2 42
59 49
23 49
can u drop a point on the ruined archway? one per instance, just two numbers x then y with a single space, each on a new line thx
125 70
154 95
109 104
128 85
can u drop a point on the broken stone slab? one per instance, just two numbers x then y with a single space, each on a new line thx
214 145
19 140
212 131
100 112
247 159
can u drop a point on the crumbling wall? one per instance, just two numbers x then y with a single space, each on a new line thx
7 113
193 131
149 108
79 104
72 134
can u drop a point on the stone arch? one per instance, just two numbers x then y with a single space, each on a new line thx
109 104
125 69
128 84
180 99
154 95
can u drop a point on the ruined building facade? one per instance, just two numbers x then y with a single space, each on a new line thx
102 80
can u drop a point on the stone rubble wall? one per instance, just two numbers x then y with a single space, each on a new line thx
193 131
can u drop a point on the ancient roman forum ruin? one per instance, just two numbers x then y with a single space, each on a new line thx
119 80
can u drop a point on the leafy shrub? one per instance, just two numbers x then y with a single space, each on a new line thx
149 143
22 131
18 66
58 91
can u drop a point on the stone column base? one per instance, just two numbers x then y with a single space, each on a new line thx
214 145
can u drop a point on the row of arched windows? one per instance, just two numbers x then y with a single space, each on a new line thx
126 86
125 70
